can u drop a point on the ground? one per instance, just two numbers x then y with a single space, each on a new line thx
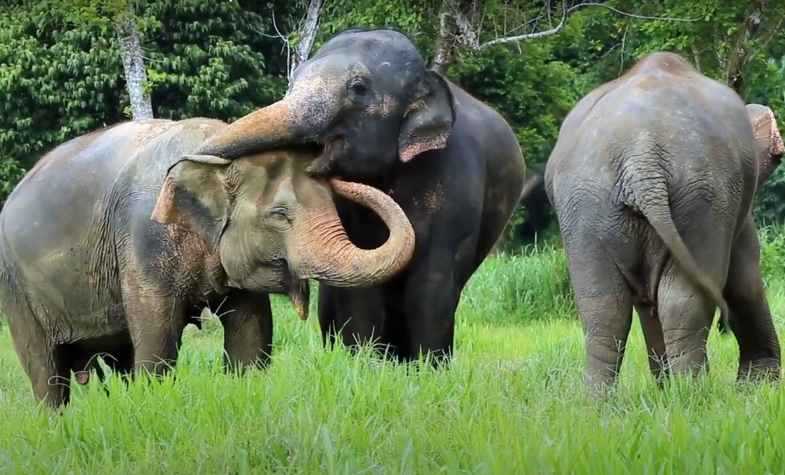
512 402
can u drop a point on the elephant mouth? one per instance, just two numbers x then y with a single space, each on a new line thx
299 293
329 149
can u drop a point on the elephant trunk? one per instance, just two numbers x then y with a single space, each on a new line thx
264 129
324 251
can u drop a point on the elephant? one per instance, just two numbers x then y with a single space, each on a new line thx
381 117
114 238
534 200
652 178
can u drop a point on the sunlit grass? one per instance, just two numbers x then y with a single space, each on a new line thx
512 402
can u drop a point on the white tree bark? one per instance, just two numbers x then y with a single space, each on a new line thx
307 35
133 66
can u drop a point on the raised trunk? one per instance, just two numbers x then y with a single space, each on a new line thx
324 252
133 67
261 130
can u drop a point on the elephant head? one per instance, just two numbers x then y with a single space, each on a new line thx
273 226
769 144
366 97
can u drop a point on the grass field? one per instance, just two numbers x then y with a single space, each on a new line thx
512 402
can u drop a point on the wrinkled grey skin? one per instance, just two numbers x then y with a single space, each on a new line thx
652 179
114 241
452 163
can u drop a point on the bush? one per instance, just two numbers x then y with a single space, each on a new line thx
772 239
10 173
515 288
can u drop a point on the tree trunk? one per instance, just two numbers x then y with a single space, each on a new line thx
445 43
133 66
307 35
739 54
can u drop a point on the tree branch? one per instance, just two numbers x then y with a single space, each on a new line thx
309 30
528 36
627 14
565 12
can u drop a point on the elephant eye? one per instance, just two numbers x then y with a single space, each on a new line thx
358 88
280 213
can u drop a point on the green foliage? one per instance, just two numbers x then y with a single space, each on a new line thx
530 286
408 16
10 173
61 74
57 79
209 59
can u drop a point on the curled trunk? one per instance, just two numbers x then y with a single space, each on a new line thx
324 251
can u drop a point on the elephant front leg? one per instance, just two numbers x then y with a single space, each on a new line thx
431 297
248 330
155 321
357 315
750 318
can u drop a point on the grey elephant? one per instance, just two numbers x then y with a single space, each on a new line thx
114 239
451 162
652 180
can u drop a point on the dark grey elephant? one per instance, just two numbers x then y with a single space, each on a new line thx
451 162
652 179
84 270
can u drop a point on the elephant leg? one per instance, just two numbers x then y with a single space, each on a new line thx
328 315
607 318
429 314
43 362
248 330
604 302
432 289
155 322
686 316
654 339
750 317
358 315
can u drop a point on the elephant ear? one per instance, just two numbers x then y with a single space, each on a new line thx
429 118
768 139
194 195
764 126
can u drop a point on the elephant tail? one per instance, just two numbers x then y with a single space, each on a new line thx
651 198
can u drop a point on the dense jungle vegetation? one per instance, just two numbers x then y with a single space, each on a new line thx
61 72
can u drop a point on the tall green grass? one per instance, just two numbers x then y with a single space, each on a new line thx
512 402
513 288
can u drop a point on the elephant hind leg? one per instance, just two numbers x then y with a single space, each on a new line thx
750 317
686 314
44 363
604 300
